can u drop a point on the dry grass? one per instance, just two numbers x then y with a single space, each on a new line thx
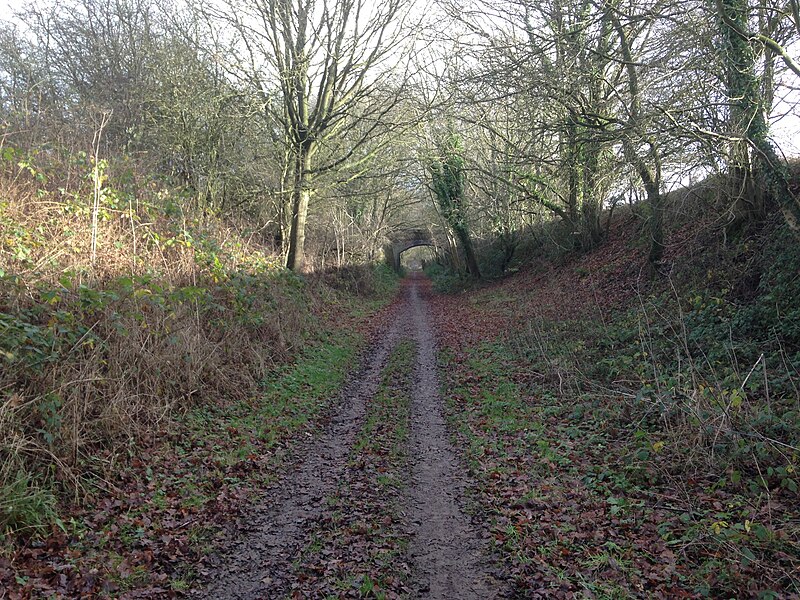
175 310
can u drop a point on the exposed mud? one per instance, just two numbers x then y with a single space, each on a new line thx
258 562
447 555
445 549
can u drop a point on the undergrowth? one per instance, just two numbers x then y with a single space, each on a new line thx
718 375
120 310
156 526
583 496
447 280
651 449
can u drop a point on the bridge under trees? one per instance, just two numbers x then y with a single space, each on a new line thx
405 240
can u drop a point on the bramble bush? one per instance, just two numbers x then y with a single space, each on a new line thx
177 310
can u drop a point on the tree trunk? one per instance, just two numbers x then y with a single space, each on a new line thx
767 172
746 119
656 202
573 176
591 206
301 195
469 252
651 177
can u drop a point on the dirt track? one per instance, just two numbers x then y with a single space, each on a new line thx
445 552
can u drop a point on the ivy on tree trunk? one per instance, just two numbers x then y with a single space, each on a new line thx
448 178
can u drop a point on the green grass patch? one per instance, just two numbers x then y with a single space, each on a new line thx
27 504
386 427
362 528
257 432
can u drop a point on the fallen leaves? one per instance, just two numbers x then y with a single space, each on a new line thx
570 508
147 533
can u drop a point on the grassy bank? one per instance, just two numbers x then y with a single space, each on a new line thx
157 366
636 438
581 498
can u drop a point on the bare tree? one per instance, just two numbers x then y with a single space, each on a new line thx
554 57
635 132
334 66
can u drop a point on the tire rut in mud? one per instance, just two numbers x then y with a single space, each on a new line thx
257 563
292 545
358 546
446 551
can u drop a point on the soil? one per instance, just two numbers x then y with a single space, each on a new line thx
259 557
446 552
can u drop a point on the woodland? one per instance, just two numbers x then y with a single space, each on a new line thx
595 210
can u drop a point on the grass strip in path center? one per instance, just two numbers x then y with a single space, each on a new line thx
358 547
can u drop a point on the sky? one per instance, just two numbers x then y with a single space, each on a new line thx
785 125
786 131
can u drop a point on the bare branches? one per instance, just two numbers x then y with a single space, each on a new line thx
329 61
759 37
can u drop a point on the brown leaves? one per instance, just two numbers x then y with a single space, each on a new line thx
356 548
572 508
557 536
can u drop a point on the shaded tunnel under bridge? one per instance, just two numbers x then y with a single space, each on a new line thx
402 242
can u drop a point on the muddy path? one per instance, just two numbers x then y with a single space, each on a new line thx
446 551
267 554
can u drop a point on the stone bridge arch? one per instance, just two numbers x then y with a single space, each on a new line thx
400 243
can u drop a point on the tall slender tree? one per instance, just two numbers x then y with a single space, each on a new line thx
335 65
748 123
448 179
